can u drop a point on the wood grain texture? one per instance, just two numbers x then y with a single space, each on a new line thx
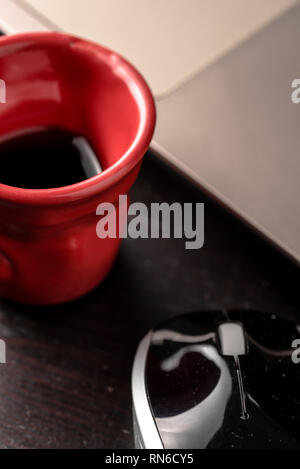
66 383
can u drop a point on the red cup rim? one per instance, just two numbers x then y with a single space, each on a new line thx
99 183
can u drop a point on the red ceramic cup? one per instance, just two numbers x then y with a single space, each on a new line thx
49 250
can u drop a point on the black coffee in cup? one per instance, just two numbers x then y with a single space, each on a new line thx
46 158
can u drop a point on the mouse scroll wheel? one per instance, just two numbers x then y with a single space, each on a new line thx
232 339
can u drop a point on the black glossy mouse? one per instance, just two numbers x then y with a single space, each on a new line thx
218 379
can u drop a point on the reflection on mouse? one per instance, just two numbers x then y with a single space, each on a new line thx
221 379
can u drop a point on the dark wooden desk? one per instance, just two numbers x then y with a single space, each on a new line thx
66 383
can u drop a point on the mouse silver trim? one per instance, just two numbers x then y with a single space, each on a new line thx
145 427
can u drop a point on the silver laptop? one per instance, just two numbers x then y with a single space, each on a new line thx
221 73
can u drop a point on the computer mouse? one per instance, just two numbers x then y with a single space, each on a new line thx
218 379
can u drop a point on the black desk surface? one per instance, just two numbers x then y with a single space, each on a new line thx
66 383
